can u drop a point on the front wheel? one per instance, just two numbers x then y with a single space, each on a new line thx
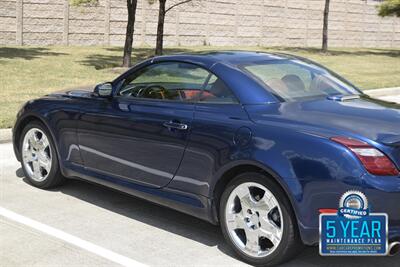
39 158
257 221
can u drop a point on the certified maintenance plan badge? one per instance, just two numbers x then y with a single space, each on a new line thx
353 230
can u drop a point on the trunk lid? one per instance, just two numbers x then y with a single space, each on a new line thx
363 117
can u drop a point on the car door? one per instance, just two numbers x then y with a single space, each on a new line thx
141 133
221 133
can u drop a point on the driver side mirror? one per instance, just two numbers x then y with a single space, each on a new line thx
103 89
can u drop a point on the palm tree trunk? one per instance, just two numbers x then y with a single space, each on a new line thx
130 28
325 28
160 28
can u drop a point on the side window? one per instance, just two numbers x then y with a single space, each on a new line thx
217 92
289 80
166 81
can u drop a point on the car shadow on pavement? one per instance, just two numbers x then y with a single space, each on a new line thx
191 227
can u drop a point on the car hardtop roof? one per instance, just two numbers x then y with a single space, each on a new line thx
235 58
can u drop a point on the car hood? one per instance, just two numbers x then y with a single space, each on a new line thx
83 91
374 119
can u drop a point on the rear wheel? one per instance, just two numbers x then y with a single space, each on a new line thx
38 156
257 221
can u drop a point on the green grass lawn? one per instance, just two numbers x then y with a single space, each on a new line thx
29 72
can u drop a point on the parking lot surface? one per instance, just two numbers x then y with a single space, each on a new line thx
58 227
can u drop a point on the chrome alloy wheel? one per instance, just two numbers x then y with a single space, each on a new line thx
254 219
36 154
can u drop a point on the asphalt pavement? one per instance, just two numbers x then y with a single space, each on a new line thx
82 224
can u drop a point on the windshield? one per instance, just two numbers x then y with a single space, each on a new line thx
295 79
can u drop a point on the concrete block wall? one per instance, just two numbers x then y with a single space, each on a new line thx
353 23
8 21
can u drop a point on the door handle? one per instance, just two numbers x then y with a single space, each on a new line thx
175 125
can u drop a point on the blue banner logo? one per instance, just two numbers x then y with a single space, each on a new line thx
353 231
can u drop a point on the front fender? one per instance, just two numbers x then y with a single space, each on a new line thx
25 115
59 115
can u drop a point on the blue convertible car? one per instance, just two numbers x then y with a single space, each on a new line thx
258 143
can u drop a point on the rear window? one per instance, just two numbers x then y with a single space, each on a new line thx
294 79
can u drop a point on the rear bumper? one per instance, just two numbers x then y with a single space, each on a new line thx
383 194
394 233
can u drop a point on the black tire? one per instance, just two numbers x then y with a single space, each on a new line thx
54 177
290 244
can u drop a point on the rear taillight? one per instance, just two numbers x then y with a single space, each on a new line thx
373 160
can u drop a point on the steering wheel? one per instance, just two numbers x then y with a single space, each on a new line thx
131 90
152 90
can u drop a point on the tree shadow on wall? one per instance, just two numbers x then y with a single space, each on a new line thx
106 61
27 53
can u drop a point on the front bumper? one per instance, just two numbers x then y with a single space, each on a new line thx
15 144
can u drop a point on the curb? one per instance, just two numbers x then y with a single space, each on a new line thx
5 135
383 92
